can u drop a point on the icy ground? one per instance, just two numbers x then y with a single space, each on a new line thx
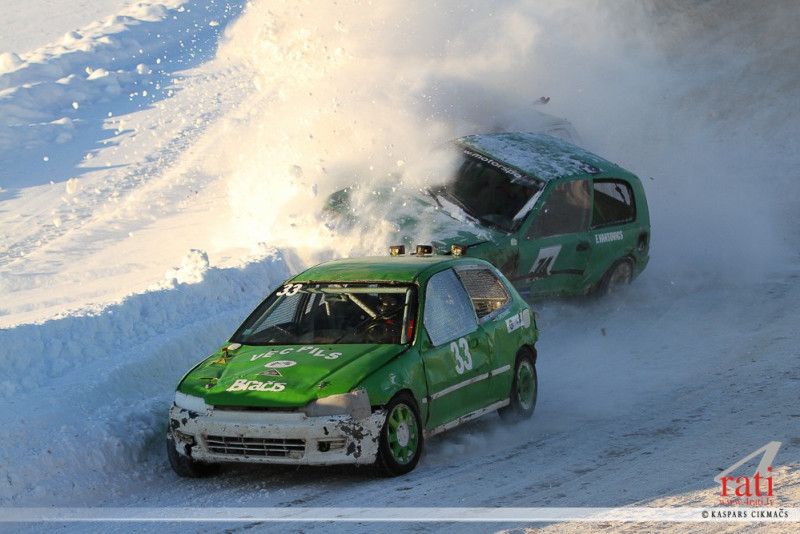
162 166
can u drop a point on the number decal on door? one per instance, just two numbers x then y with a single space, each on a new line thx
460 350
545 260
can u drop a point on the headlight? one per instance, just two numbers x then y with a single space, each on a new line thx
355 404
190 402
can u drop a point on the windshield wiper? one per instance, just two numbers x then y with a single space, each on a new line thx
431 193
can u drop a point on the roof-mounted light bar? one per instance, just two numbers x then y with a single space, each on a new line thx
397 250
424 250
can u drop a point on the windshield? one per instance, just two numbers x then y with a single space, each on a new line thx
308 314
494 194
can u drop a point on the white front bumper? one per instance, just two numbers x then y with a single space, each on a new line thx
275 437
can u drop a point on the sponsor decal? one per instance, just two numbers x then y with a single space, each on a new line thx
519 320
609 237
308 349
508 170
280 363
271 372
256 385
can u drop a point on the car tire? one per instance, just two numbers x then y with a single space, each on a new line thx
618 276
400 443
524 390
185 466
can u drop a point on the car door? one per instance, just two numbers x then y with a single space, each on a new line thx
556 247
614 232
457 358
493 307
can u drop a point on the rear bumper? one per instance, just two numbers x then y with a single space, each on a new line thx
288 438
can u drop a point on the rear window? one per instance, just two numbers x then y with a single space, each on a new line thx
487 292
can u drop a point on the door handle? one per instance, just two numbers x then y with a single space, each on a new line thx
583 245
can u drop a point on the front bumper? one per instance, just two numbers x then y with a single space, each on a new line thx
269 437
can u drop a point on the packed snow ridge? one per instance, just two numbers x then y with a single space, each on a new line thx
127 54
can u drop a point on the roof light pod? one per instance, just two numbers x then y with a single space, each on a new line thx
458 250
397 250
424 250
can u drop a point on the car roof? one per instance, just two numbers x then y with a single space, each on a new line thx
404 269
538 155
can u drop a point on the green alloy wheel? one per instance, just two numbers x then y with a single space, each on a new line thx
401 437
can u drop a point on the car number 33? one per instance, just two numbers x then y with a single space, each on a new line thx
460 350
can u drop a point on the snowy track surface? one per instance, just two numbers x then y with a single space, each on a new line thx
162 168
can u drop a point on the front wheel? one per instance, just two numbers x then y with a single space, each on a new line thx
185 466
524 389
400 443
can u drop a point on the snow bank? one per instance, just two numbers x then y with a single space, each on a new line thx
126 55
88 393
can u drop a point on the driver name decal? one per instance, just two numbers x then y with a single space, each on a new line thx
608 237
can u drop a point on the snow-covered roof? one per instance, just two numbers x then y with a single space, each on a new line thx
537 155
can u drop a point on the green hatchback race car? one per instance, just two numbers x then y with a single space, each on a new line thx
554 218
357 361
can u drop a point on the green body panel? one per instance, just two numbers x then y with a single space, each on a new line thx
440 365
406 269
406 372
540 156
291 376
566 264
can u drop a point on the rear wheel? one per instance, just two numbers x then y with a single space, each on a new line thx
184 465
524 390
618 276
400 443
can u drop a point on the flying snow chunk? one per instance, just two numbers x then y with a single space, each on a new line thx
72 186
192 270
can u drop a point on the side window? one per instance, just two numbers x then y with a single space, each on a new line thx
486 291
613 203
448 312
565 211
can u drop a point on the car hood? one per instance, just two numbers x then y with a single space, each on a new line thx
283 376
409 217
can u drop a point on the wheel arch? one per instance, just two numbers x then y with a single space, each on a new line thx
602 284
529 347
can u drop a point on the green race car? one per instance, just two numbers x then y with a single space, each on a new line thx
357 361
553 217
